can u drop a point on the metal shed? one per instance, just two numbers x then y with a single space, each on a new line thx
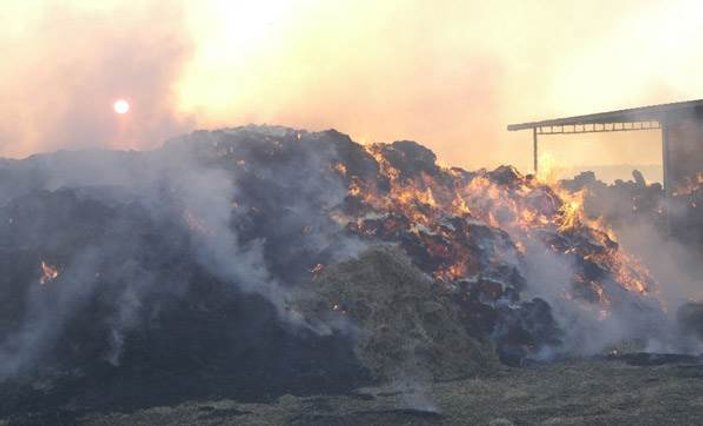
680 124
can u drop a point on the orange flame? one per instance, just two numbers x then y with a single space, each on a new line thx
523 206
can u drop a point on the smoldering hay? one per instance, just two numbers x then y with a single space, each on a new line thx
212 266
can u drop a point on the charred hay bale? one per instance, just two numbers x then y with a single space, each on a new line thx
524 331
505 175
410 159
407 328
356 160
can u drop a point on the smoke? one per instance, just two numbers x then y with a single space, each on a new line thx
589 328
67 65
46 317
122 228
415 394
675 265
658 233
452 74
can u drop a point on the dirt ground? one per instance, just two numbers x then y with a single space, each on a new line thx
576 392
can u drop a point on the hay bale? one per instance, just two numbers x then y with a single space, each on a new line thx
407 326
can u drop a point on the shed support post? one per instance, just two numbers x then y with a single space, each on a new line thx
666 178
535 165
666 174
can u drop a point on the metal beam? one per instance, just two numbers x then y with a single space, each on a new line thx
596 128
630 115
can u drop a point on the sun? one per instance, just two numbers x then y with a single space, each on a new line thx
121 106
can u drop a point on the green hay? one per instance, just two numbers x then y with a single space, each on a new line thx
408 327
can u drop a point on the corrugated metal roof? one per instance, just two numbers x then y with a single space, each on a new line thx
631 115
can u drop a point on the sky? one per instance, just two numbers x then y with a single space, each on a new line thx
450 74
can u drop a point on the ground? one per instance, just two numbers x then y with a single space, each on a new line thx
574 392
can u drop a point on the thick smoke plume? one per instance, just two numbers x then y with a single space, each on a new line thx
665 233
184 194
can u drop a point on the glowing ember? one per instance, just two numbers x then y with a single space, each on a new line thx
49 273
317 269
340 168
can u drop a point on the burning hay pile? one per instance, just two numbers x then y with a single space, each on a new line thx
493 236
186 265
679 215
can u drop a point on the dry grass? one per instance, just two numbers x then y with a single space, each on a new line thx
577 393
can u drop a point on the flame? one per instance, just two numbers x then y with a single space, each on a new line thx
317 269
421 198
548 171
452 272
49 273
570 211
526 207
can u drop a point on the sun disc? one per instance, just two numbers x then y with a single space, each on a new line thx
121 106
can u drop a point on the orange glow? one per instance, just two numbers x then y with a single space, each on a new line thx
525 208
450 73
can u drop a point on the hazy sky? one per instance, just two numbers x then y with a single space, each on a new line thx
449 73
